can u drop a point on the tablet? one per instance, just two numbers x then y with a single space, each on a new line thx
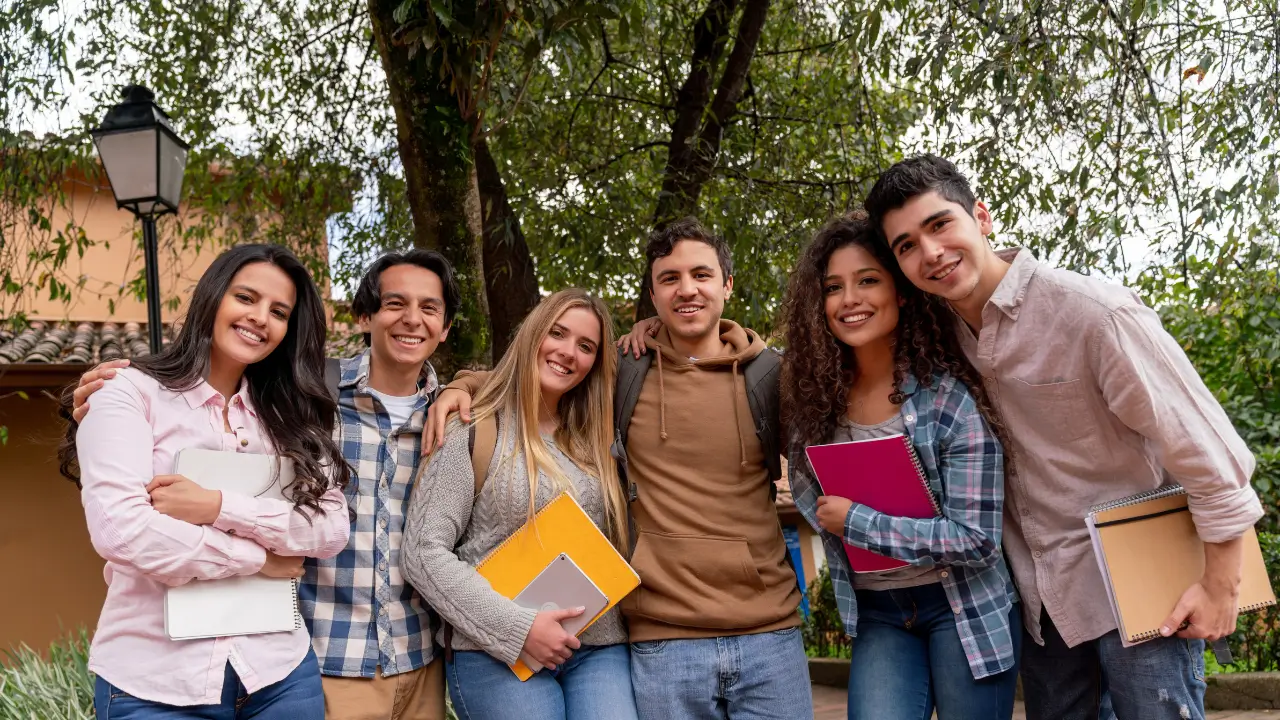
562 585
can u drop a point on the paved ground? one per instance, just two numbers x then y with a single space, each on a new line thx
829 704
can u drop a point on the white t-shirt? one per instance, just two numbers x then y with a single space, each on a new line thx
398 408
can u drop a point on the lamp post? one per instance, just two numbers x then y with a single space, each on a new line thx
144 160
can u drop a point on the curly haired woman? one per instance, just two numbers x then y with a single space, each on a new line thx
869 356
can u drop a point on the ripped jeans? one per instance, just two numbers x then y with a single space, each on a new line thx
1156 680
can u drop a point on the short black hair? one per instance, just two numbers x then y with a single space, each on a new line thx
663 241
913 177
368 297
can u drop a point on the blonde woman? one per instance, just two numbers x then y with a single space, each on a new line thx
552 398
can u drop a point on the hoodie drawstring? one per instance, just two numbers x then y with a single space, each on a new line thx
737 423
662 401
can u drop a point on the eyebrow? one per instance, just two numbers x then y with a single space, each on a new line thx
923 223
258 293
704 268
860 271
566 331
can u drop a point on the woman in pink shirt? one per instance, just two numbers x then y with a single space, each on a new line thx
246 374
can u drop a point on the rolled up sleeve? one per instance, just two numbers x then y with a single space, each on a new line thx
1151 386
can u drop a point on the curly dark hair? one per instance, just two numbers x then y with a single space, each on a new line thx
818 370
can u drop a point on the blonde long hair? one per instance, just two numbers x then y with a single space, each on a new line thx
513 395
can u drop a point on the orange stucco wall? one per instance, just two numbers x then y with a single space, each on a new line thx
52 576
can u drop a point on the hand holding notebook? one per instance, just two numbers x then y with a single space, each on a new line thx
1149 553
882 473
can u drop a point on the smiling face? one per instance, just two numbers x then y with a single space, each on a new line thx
253 317
859 298
941 248
689 290
409 324
568 352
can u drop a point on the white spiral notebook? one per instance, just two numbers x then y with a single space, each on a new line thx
245 605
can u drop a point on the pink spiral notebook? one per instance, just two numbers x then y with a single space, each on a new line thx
884 474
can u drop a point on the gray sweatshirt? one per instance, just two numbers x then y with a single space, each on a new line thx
448 531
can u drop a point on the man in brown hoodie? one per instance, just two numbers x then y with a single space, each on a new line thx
714 624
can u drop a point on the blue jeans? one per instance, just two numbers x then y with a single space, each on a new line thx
907 660
595 684
297 697
743 677
1158 679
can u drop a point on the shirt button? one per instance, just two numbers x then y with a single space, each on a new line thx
244 442
910 418
231 532
1038 553
943 574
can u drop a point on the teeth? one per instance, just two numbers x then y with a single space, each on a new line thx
945 271
559 368
249 336
855 318
688 311
408 340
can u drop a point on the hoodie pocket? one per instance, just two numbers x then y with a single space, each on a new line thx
699 582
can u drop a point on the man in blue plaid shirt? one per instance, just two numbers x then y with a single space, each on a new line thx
371 631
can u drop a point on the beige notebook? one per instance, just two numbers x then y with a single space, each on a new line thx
1149 554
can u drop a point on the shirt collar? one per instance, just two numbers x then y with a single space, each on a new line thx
203 392
1012 290
355 372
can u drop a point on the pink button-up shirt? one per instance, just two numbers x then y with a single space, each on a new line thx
1101 403
132 433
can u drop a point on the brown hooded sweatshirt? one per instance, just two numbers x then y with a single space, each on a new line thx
709 551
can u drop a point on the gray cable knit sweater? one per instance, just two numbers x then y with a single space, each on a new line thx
448 531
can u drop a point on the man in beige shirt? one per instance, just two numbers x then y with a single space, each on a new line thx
1100 403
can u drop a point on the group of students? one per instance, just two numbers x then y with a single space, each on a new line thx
1030 393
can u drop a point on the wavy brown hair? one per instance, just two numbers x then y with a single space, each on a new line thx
818 370
287 387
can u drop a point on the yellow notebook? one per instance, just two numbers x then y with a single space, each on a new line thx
561 526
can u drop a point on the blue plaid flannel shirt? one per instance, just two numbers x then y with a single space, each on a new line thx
359 609
965 467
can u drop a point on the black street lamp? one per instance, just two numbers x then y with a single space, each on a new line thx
144 160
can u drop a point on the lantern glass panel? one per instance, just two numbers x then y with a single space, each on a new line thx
130 160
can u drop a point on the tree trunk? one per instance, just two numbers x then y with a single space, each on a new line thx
509 277
697 130
435 148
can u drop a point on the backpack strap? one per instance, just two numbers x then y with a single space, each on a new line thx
630 381
761 376
482 440
332 376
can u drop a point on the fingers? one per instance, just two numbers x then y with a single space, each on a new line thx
573 643
160 481
79 412
464 408
1177 619
823 500
103 371
562 615
433 429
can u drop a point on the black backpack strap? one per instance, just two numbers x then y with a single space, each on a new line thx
761 376
332 376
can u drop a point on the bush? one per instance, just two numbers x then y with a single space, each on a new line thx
1255 645
823 630
57 688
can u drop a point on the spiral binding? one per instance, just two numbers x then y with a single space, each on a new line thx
924 479
1156 494
297 612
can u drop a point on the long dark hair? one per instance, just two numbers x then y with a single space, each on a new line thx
287 387
818 370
